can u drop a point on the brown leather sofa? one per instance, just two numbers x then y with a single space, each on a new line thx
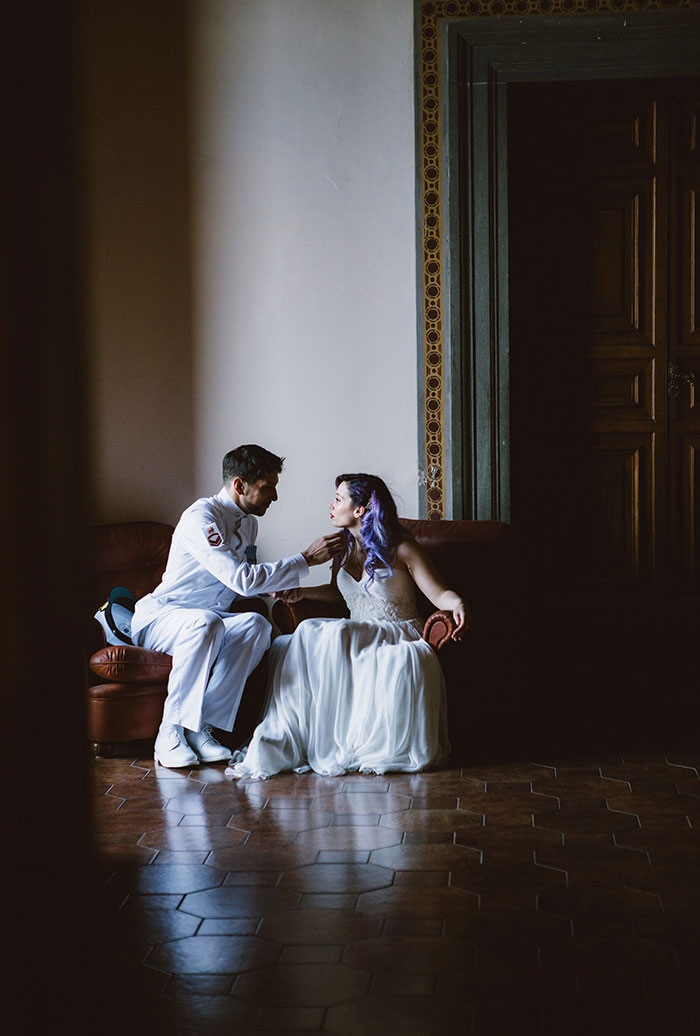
126 685
485 672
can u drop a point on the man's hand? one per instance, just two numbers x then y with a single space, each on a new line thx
325 548
290 596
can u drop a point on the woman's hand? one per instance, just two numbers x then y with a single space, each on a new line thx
290 596
462 619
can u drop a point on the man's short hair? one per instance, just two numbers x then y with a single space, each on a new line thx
250 463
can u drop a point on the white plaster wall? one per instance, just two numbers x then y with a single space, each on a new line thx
137 251
304 251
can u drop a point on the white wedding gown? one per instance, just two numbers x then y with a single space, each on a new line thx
360 694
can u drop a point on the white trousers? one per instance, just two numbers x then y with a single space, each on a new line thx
213 655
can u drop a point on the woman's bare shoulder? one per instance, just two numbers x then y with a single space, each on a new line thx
407 550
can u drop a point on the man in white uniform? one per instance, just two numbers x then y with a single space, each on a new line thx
212 564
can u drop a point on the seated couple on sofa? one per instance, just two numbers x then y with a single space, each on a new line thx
363 694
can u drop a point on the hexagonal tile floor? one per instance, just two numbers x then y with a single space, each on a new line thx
557 896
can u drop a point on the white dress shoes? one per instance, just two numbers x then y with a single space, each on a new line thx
171 748
208 749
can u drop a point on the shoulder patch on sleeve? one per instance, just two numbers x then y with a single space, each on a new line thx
214 537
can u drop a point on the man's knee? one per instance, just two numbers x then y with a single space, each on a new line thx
259 626
251 627
205 627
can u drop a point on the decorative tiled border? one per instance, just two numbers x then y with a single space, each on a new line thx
432 12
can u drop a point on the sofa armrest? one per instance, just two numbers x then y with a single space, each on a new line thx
288 616
125 663
439 628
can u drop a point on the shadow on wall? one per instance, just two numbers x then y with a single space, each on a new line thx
136 190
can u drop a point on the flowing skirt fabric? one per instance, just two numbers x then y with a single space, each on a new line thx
347 696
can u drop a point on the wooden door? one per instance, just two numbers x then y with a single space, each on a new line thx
602 187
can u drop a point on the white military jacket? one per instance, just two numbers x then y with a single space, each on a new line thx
208 566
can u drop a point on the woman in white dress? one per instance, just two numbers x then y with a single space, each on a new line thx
366 693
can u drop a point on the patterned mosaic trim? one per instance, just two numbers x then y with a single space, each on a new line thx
431 14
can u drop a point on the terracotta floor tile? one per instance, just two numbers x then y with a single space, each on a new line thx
180 878
301 985
413 926
191 985
294 1018
156 901
105 804
598 902
345 902
433 901
410 954
602 955
595 821
343 856
395 983
517 987
328 901
273 821
252 878
523 771
417 879
366 783
138 816
599 863
436 800
499 927
612 1019
184 1015
228 926
352 838
337 877
497 876
164 857
259 857
355 819
362 802
192 802
424 857
319 927
181 839
501 839
149 927
311 955
213 954
242 901
404 1015
424 820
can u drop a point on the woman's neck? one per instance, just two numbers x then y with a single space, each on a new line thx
356 534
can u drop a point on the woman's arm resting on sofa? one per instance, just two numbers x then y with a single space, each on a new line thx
429 580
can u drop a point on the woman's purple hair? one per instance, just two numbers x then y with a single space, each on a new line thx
380 525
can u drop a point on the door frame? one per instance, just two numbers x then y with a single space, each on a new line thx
479 59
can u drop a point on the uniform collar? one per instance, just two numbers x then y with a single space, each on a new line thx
230 505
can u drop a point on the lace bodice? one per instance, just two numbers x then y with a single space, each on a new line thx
388 600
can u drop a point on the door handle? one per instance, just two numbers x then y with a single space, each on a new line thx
676 374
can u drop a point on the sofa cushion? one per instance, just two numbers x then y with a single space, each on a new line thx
128 664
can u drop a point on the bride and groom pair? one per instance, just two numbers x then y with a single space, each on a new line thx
361 694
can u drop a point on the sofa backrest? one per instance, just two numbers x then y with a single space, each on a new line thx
131 554
478 559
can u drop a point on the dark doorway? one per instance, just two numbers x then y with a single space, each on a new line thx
604 353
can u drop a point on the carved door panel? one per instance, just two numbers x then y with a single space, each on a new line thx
684 345
602 211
